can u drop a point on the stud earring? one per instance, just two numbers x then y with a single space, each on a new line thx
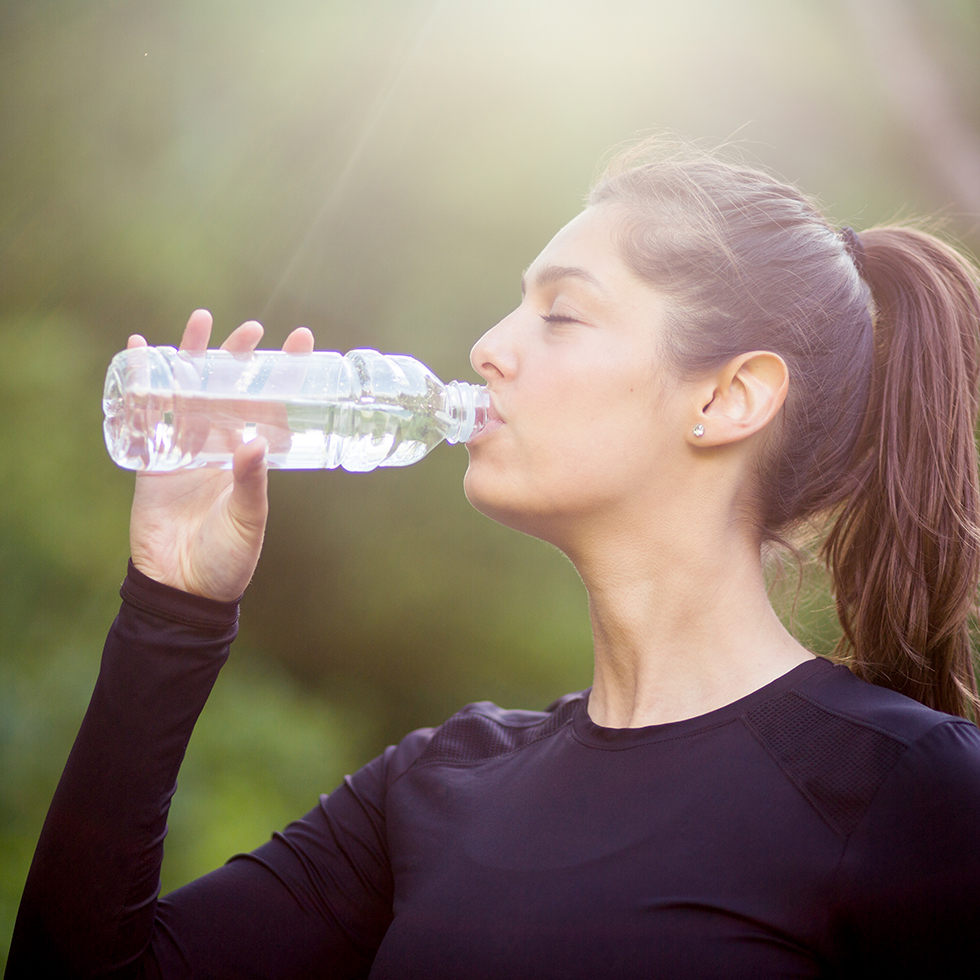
699 430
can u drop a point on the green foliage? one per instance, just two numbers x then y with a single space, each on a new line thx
262 752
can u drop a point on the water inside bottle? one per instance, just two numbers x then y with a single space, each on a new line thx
160 431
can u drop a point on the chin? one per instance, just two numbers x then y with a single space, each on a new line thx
483 498
509 509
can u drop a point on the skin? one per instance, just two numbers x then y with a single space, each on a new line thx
592 449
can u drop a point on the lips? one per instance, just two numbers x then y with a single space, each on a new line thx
494 421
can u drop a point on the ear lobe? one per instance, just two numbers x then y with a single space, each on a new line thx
740 399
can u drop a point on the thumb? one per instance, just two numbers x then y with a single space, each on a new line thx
227 549
249 503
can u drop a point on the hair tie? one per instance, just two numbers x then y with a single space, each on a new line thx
854 248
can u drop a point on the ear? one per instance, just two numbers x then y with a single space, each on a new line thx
738 400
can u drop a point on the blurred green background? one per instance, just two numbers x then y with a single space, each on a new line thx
381 171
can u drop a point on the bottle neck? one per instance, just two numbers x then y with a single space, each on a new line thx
469 410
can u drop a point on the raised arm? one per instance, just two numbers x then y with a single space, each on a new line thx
89 905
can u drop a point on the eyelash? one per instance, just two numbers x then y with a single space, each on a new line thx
557 318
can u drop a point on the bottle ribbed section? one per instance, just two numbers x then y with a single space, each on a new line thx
469 408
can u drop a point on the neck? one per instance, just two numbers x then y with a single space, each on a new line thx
681 624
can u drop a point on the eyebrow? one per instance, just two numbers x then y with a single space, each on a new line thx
555 273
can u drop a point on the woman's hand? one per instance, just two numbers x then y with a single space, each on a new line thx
201 530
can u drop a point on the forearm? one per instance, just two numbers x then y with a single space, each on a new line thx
90 900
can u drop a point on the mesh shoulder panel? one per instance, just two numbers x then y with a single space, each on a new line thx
836 763
484 731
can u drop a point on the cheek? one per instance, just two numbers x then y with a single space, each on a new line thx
575 435
589 423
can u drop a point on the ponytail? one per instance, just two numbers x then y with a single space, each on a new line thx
880 333
904 552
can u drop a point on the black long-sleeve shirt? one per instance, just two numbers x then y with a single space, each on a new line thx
820 827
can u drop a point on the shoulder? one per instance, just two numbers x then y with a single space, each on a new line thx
877 721
830 691
910 866
842 740
479 732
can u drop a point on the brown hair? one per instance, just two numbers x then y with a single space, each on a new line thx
877 431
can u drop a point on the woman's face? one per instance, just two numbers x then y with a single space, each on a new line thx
589 427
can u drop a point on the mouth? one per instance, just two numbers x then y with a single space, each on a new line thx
494 421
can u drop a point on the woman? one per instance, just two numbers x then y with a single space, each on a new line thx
699 366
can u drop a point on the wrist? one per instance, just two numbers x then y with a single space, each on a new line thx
151 595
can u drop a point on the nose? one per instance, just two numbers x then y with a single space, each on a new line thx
493 356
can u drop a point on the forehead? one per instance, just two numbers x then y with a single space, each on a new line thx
587 245
590 233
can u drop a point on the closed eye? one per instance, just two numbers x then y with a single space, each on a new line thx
558 318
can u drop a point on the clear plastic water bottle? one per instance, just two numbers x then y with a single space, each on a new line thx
167 409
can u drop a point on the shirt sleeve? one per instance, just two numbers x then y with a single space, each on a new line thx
314 900
910 876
